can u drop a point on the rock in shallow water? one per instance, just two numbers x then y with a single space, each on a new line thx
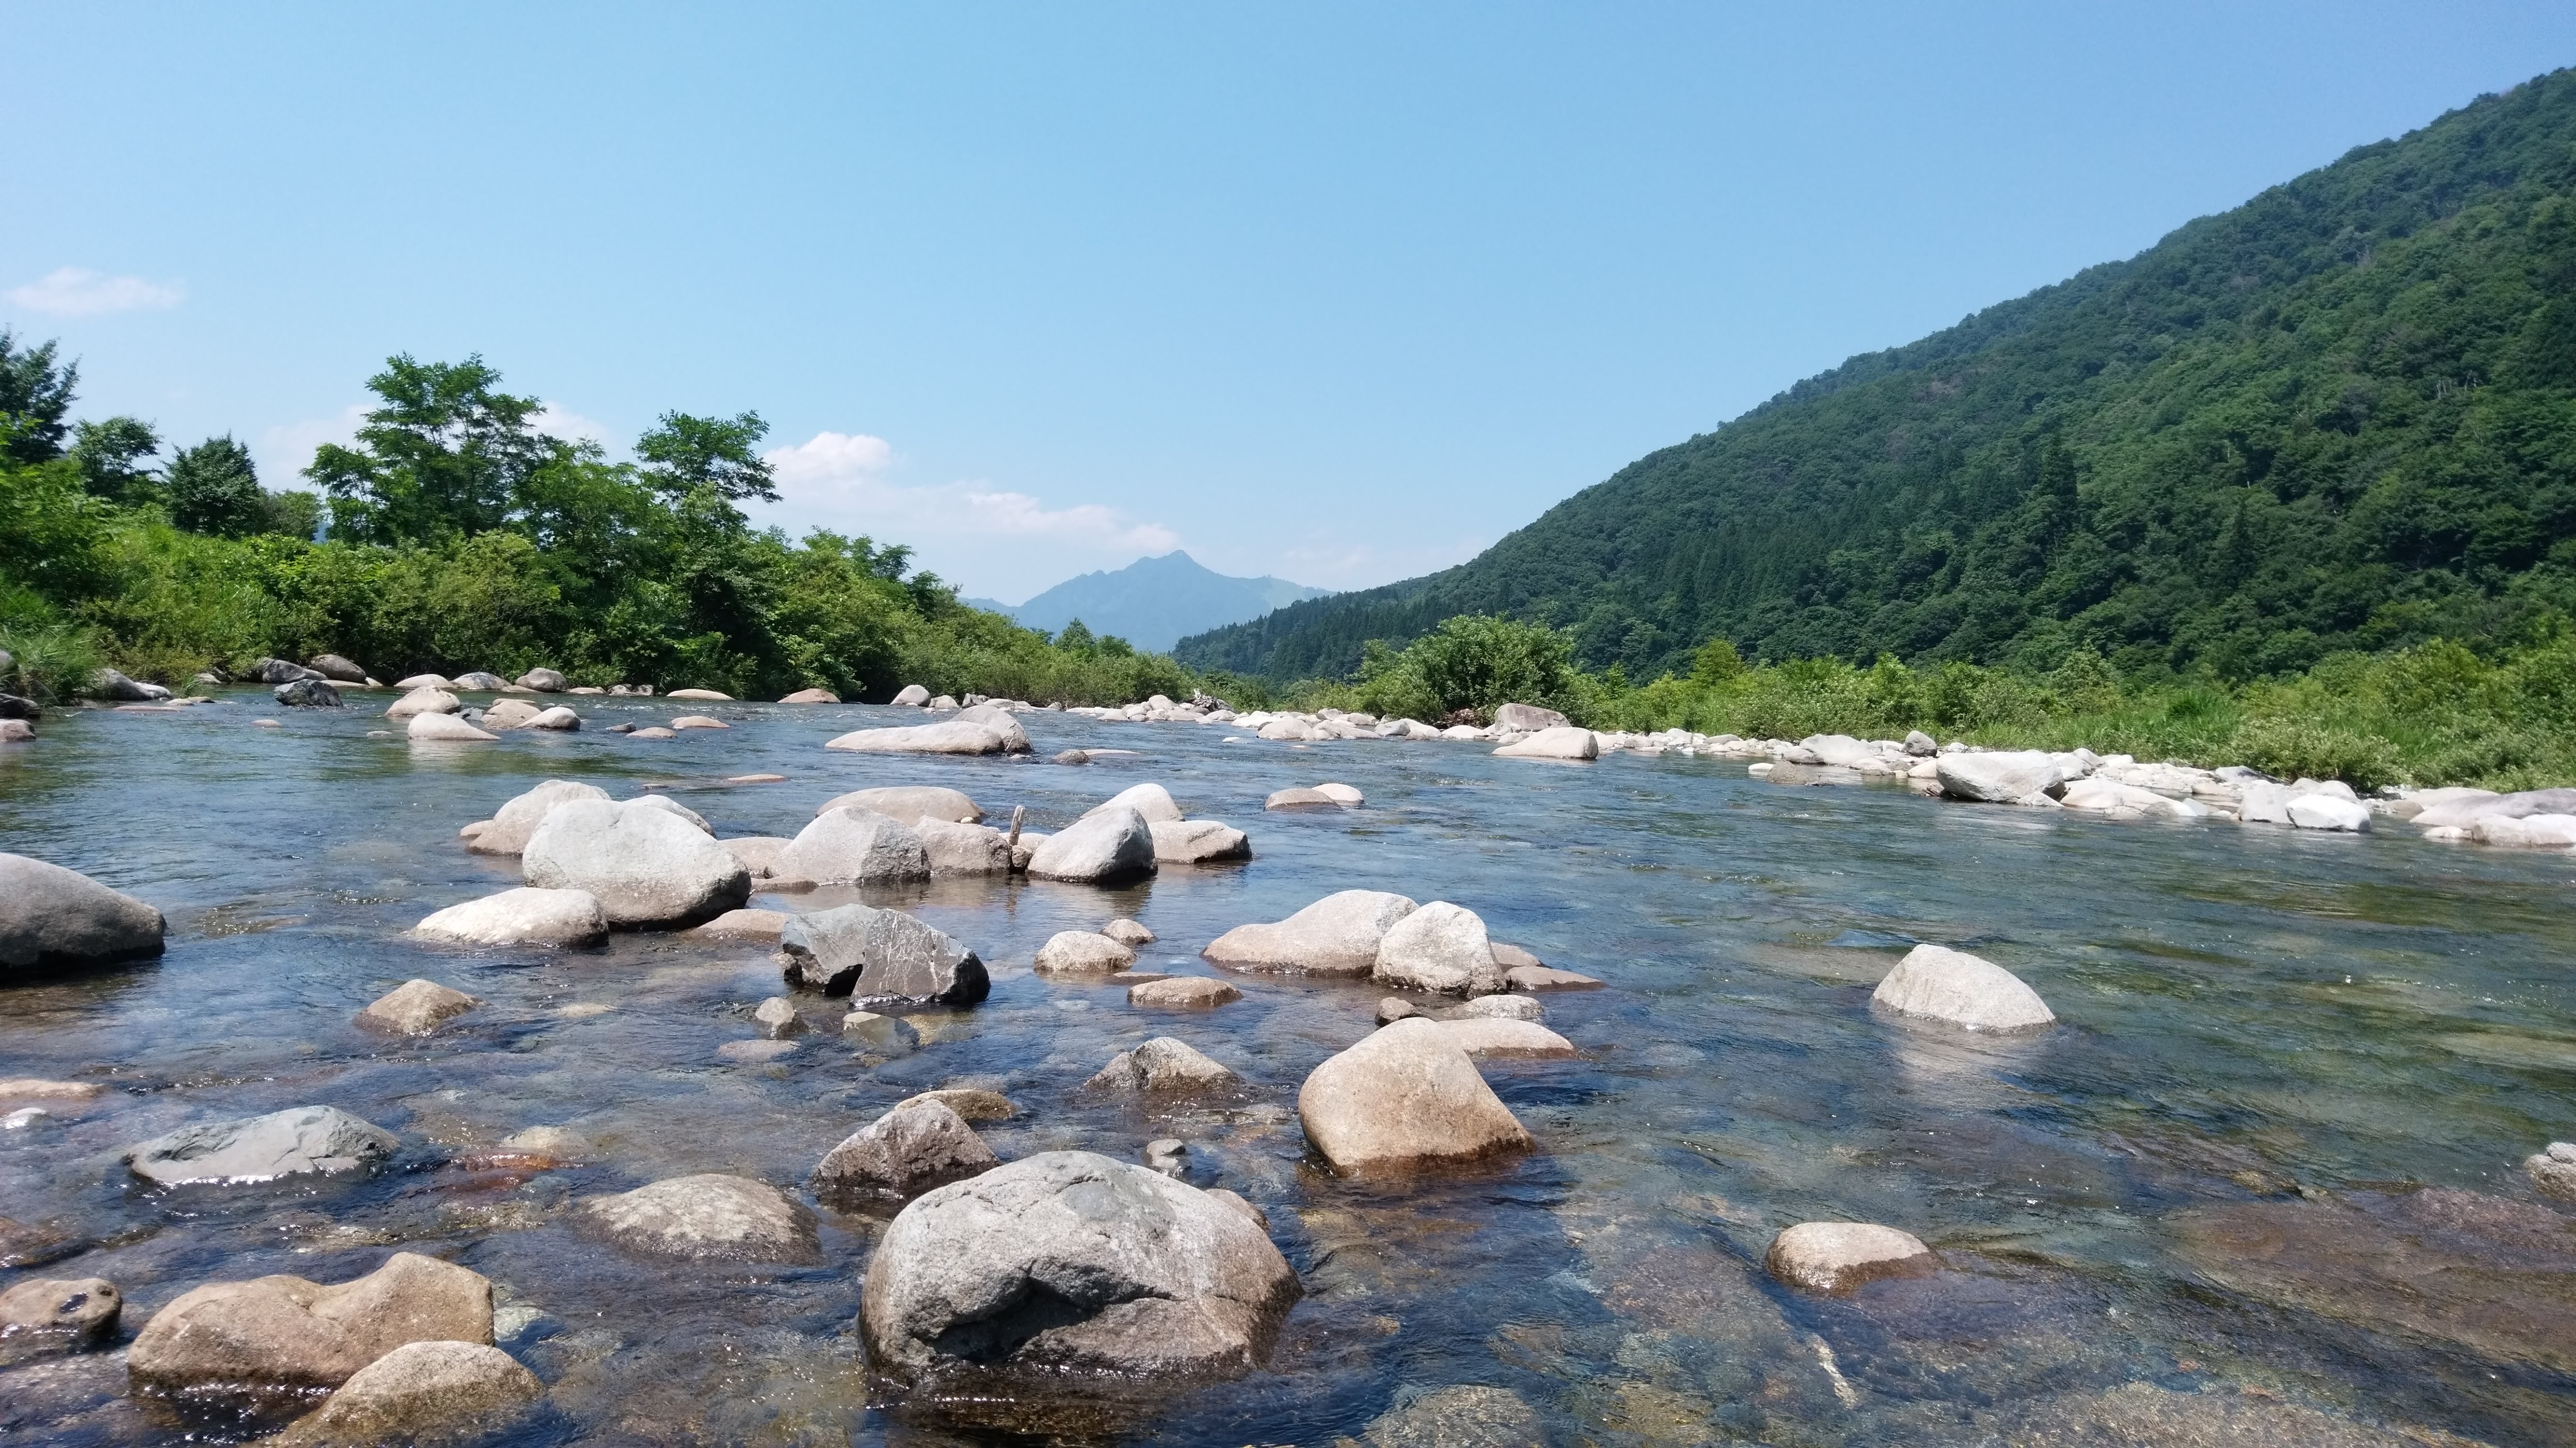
1198 842
2000 777
1128 933
1836 1257
1440 947
1941 984
910 802
971 1102
517 819
1337 935
445 728
47 1314
1082 952
415 1008
953 736
919 1145
1108 847
1458 1417
710 1217
1406 1096
524 916
851 846
299 1141
1151 800
1162 1065
646 865
872 954
1560 742
419 1394
274 1334
1182 992
50 916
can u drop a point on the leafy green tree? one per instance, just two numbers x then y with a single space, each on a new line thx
293 514
721 454
1476 661
35 393
214 488
1075 638
446 455
115 458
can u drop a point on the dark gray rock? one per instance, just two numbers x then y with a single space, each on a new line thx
277 671
50 916
880 955
13 707
299 1141
308 694
109 684
917 1146
337 669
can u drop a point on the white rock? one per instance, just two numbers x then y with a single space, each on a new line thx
520 917
1337 935
1150 800
910 802
518 818
444 728
646 865
2000 777
665 802
1951 985
1438 947
1103 848
1562 742
2326 812
949 736
855 847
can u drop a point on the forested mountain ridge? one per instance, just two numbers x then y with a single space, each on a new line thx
2342 415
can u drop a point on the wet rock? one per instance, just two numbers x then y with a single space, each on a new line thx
50 916
708 1218
1493 1008
753 925
1128 933
562 1143
286 1334
1510 957
1070 1274
1951 985
1406 1096
911 1149
518 818
1458 1417
851 846
963 851
1562 742
1528 718
1081 952
912 695
422 681
37 1088
886 1035
33 1244
1540 977
1108 847
560 718
1073 756
415 1008
647 866
655 732
50 1314
16 731
1836 1257
1438 947
299 1141
877 954
509 714
698 721
1162 1065
1182 992
2554 1170
481 682
1492 1038
1199 842
444 729
1337 935
419 1394
910 802
2143 1415
1169 1155
428 699
812 696
949 736
109 684
971 1102
2325 812
1150 800
760 855
524 916
777 1018
1999 777
307 694
1395 1008
1300 798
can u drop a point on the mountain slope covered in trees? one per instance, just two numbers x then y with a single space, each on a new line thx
2341 416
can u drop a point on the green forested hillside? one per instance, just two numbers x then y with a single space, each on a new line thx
2341 416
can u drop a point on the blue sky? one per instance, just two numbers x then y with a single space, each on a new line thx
1341 293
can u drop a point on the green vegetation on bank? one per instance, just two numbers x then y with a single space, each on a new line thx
460 536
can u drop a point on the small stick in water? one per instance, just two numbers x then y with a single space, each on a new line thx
1019 812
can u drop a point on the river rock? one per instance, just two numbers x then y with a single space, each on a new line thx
336 669
16 731
2554 1170
1108 847
1919 745
655 731
1198 842
1081 952
1951 985
1337 935
518 818
287 1334
480 682
2325 812
710 1217
949 736
777 1018
960 851
419 1394
708 695
426 700
812 696
646 865
299 1141
851 846
887 1035
416 1008
1150 800
48 1314
698 721
1407 1095
2446 807
53 917
1069 1273
1560 742
308 694
672 806
1300 798
1492 1008
560 718
1528 719
910 802
422 681
444 728
912 695
278 671
1540 977
744 925
1438 947
1163 1065
524 916
2000 777
1182 992
1835 1257
2128 800
544 681
874 954
509 714
971 1102
909 1150
1128 933
1491 1038
1458 1417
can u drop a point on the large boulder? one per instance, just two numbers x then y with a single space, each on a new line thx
949 736
509 714
1528 718
2464 806
912 696
1835 1257
1406 1096
958 850
50 917
1563 742
1942 984
422 681
1162 1066
517 819
560 717
1015 740
524 916
851 846
872 954
2000 777
287 1335
1083 952
811 696
665 803
273 671
1071 1274
1198 842
1150 800
444 729
1440 947
544 681
910 802
913 1148
307 694
480 682
646 865
2326 812
707 1218
1337 935
337 669
707 695
299 1141
425 700
1107 847
420 1393
109 684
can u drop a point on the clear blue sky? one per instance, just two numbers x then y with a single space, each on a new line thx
1341 293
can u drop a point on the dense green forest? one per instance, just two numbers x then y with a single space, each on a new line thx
2341 417
459 536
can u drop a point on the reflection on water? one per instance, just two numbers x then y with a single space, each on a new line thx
2190 1214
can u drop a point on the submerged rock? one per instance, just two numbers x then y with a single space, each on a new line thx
1161 1065
974 1103
919 1145
1458 1417
1439 947
1199 842
710 1217
299 1141
523 916
281 1333
420 1393
646 865
1950 985
1182 992
50 916
1337 935
875 954
850 846
1071 1274
1836 1257
1406 1096
1108 847
416 1008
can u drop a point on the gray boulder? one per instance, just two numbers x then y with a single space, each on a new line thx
285 1334
1919 745
445 729
481 683
1083 952
52 917
912 696
278 671
337 669
1069 1274
1161 1066
910 802
109 684
1198 842
1528 718
2461 806
518 819
880 955
1109 847
2553 1171
524 916
509 714
1150 800
1405 1096
415 1008
299 1141
1337 935
909 1150
2001 777
421 1393
949 736
1564 742
855 847
1439 947
1941 984
560 717
645 865
962 850
544 681
415 682
427 699
707 1218
307 694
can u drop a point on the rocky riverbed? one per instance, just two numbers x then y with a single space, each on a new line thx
2186 1132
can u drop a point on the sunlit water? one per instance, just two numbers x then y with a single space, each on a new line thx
2203 1180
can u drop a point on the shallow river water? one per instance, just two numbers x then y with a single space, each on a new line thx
2262 1184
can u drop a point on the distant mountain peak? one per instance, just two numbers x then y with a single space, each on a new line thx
1154 602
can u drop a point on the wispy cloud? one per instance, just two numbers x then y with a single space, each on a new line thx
286 450
836 477
555 420
74 292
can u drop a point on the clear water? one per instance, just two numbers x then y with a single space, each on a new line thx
2205 1180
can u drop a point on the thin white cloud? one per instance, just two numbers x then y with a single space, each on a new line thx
75 292
286 450
1322 561
834 478
554 420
